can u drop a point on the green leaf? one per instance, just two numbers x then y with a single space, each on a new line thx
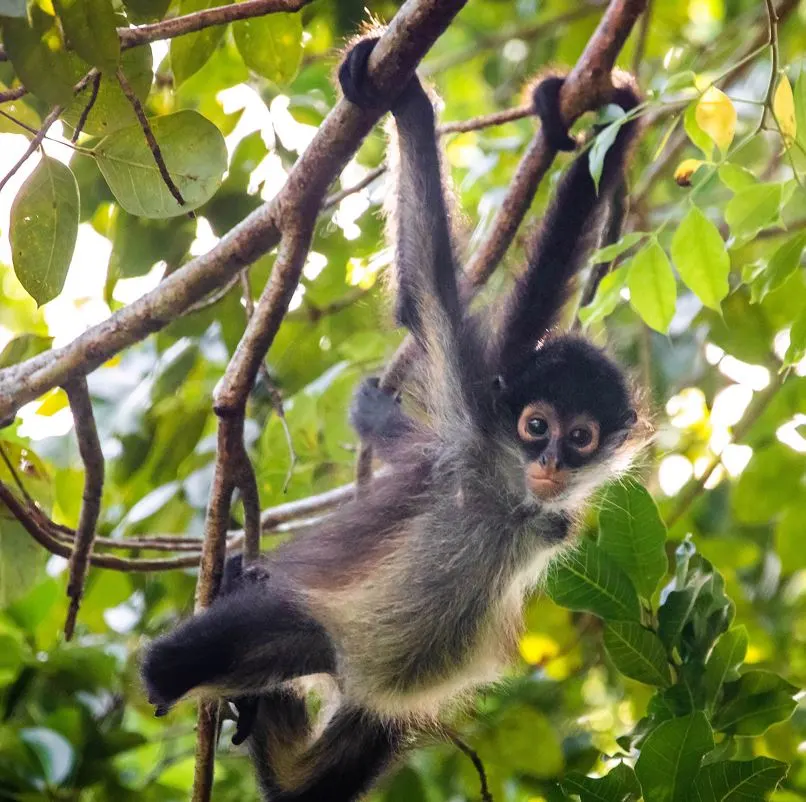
194 153
23 347
754 208
723 664
756 701
53 751
587 579
652 287
610 252
768 484
671 756
701 259
43 230
782 264
21 560
112 110
692 617
632 533
738 780
602 143
607 298
637 653
140 11
618 785
735 177
271 45
695 133
90 28
36 51
189 53
12 8
797 340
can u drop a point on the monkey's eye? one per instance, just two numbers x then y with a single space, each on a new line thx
537 427
580 437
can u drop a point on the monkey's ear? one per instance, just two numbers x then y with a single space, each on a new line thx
631 418
499 385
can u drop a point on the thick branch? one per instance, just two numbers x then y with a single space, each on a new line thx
92 456
410 34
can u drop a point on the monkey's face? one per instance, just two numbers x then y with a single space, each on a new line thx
572 415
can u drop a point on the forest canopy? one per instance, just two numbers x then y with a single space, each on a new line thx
193 280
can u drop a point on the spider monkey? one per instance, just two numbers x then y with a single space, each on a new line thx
410 597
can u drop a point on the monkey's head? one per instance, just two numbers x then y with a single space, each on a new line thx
573 415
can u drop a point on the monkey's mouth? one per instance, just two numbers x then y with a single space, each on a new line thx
545 483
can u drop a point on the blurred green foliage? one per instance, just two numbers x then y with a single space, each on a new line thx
667 662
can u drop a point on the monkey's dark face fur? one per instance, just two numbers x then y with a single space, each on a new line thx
570 409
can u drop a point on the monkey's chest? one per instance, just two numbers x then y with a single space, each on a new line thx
420 639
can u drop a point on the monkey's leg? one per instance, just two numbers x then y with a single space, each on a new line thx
245 642
355 748
378 418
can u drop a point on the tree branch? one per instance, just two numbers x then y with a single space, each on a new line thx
92 456
199 20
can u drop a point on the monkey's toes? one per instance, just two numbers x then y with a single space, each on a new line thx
353 76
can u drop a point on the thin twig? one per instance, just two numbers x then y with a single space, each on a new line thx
772 41
37 525
33 144
207 18
82 120
153 145
92 456
468 750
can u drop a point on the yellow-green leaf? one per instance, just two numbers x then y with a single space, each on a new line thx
652 287
191 52
701 259
194 153
271 45
44 226
91 29
783 105
695 133
716 115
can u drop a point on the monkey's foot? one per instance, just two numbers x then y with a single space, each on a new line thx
353 76
546 101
